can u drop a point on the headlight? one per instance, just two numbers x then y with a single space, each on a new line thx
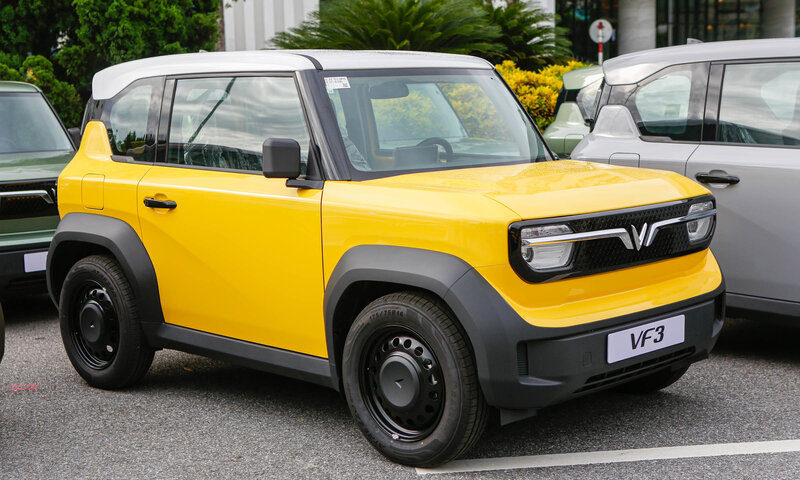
545 256
700 228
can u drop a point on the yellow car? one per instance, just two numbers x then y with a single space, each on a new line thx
387 224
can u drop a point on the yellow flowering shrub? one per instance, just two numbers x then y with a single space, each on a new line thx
538 91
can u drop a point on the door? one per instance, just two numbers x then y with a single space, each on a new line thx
753 168
236 254
668 110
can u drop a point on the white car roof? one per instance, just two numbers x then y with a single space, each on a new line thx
110 81
634 67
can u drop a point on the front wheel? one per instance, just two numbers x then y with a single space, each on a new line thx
410 381
100 324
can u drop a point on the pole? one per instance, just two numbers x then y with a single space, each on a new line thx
600 43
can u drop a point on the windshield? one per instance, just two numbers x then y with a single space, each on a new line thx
421 121
28 125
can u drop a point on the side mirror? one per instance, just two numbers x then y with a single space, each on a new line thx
281 158
75 135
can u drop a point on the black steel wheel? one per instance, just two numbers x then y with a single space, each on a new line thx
403 384
100 325
94 326
409 376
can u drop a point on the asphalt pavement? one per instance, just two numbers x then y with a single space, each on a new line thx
193 417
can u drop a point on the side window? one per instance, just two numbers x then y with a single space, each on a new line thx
670 103
222 122
131 119
759 104
587 98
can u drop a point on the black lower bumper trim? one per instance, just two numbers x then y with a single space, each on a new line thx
640 369
523 367
14 280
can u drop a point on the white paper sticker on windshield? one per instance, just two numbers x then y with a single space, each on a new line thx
335 83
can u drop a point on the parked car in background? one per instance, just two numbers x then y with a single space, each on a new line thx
389 224
34 147
726 114
574 108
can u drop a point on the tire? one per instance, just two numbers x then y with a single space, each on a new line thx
100 325
654 382
409 340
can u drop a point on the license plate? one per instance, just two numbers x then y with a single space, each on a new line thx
35 262
646 338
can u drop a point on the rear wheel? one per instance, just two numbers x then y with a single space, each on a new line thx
654 382
100 325
410 381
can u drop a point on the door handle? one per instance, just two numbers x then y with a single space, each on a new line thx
153 203
709 178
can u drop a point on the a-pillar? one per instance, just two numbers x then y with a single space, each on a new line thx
777 18
637 25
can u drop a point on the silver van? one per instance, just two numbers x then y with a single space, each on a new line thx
726 114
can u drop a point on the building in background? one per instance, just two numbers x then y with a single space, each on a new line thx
639 24
643 24
251 24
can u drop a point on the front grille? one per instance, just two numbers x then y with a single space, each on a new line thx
621 374
602 255
610 253
29 206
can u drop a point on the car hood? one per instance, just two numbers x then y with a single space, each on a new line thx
24 166
557 188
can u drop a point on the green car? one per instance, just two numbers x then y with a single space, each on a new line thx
574 107
34 148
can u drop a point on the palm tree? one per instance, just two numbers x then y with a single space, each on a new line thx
453 26
529 34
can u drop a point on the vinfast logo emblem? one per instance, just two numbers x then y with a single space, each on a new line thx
638 238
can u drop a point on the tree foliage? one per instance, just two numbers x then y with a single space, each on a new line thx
113 31
38 70
529 35
517 31
453 26
35 27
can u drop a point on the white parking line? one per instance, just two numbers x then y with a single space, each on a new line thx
614 456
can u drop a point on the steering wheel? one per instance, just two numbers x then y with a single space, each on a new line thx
448 148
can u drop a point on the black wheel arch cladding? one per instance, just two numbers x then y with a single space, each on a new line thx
82 234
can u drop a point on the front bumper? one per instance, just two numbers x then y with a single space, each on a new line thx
523 367
22 270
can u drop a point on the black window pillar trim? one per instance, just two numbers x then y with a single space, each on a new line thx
713 96
324 127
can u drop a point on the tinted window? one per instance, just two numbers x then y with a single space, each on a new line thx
222 122
587 98
759 104
670 103
131 122
28 125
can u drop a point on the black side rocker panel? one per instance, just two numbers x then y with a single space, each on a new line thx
260 357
